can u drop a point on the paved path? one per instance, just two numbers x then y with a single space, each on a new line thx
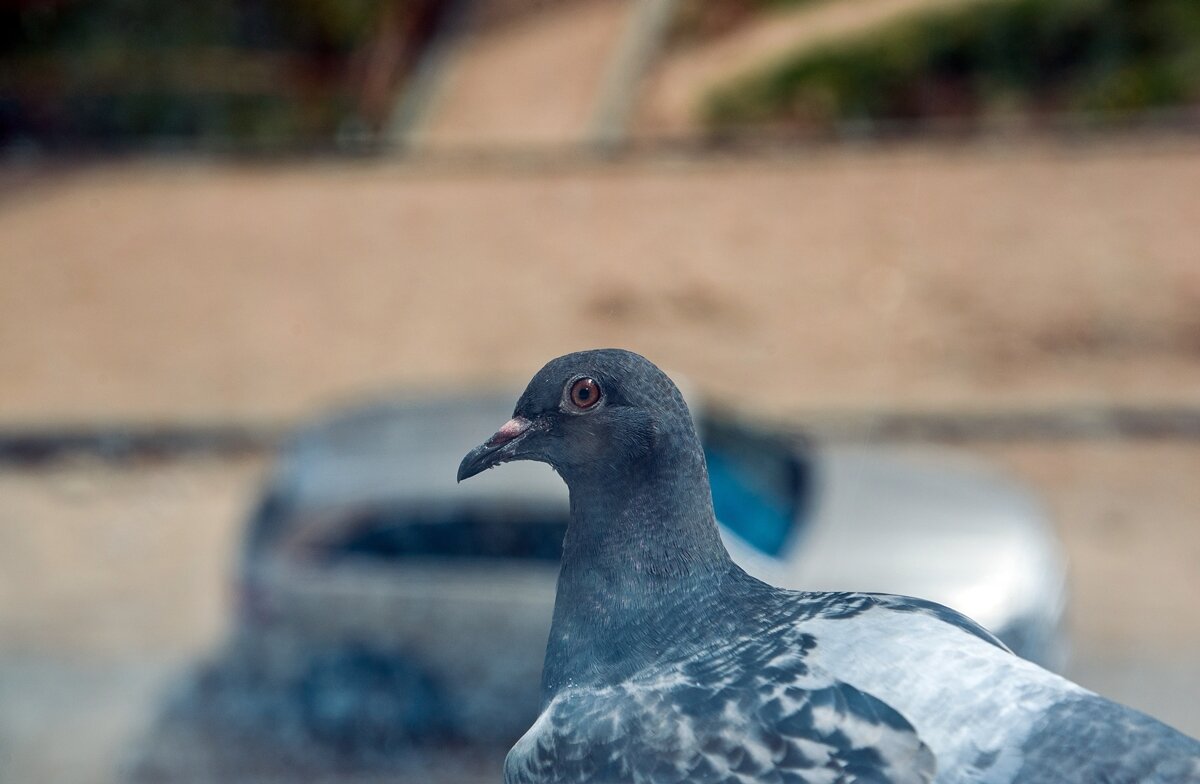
531 81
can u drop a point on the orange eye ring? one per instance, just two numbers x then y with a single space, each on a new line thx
584 393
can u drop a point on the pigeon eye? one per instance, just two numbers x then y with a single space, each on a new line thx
585 393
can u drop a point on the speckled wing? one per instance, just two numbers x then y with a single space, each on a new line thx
1088 738
739 715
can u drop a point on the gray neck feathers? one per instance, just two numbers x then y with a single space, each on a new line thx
641 550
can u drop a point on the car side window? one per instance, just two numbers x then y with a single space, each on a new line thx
398 532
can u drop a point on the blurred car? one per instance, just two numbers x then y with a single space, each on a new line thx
380 604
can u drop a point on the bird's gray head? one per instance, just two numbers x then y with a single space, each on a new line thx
592 415
642 542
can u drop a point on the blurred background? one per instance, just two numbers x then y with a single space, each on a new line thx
965 228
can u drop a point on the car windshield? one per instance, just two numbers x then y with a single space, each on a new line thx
759 483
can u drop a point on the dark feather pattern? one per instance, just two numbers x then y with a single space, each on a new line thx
1088 738
754 711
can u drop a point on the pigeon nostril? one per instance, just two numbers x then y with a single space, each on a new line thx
585 393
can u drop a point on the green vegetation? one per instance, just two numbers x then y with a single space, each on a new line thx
983 57
246 73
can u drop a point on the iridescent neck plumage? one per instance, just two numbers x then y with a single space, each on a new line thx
642 544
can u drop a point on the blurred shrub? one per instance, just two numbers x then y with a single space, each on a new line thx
263 72
990 56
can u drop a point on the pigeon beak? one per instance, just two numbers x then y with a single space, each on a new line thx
498 449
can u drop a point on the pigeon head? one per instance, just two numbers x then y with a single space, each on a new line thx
642 534
591 415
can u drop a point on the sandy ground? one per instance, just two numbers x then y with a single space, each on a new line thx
113 579
534 80
675 86
976 276
101 559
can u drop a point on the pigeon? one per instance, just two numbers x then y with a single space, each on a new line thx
666 662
